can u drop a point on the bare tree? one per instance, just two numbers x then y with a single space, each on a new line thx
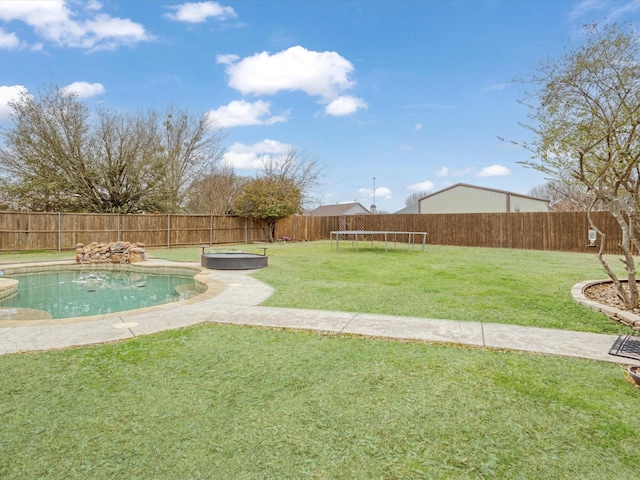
563 196
295 166
43 152
216 192
415 198
586 126
191 147
57 155
128 173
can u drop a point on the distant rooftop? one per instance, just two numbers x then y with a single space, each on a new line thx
338 209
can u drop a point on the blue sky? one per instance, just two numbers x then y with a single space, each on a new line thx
413 93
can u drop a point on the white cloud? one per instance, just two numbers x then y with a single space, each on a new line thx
623 8
611 10
494 171
199 12
35 12
425 186
323 74
106 33
344 105
85 89
318 74
585 7
418 127
442 172
227 59
7 94
447 172
93 5
251 157
381 192
84 27
8 40
495 87
241 112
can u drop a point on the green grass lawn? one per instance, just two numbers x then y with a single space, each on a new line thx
35 256
233 402
520 287
224 401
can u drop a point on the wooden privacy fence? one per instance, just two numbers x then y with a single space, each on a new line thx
561 231
62 231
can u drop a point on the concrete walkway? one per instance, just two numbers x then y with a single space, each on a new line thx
234 297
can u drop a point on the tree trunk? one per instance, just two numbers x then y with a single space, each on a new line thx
630 297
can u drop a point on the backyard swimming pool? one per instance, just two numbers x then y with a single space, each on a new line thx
79 293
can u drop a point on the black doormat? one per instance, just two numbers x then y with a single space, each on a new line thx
626 346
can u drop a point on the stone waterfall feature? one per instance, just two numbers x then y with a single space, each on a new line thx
112 252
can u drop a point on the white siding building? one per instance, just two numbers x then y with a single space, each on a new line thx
464 198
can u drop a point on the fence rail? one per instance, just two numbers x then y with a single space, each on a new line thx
561 231
62 231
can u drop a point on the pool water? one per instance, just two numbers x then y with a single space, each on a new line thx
79 293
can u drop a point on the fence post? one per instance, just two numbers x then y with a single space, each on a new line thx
59 232
210 229
559 231
508 231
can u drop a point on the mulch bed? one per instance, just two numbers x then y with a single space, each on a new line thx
606 294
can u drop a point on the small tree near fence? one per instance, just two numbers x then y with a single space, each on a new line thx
269 199
283 187
586 116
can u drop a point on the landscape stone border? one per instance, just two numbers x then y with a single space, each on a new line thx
7 287
623 316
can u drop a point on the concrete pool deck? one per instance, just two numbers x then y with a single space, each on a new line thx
234 297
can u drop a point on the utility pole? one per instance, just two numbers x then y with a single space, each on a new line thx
374 209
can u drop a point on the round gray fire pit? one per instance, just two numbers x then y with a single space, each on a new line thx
233 261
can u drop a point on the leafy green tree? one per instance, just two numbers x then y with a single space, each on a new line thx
295 166
269 199
586 127
285 186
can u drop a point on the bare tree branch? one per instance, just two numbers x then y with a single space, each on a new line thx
59 156
585 123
